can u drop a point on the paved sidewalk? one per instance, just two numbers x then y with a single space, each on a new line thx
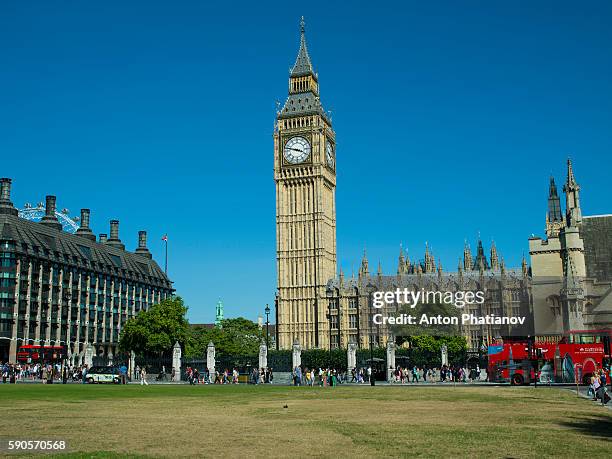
583 393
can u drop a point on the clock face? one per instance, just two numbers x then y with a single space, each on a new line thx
329 155
297 149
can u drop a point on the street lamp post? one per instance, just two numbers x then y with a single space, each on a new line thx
267 310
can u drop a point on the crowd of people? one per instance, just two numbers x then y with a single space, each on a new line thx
456 374
48 373
45 372
254 376
322 377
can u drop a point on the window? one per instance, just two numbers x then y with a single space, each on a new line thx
86 251
474 339
116 260
352 320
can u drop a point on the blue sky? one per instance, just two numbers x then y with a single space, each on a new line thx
450 117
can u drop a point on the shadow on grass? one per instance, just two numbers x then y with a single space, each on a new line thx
596 426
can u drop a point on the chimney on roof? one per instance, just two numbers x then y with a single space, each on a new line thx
84 230
50 219
103 238
114 235
142 245
6 206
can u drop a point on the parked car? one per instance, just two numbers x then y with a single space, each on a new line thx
99 375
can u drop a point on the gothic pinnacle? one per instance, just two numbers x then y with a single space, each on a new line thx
570 172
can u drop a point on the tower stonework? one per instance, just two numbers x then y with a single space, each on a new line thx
305 178
558 264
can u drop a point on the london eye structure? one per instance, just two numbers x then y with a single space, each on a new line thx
36 213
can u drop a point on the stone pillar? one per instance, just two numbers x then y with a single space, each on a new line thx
133 301
60 301
89 353
444 351
26 328
263 356
78 349
297 355
13 346
390 359
40 306
132 365
109 357
351 356
49 308
210 361
86 324
176 362
69 318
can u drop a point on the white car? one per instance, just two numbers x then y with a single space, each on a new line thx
100 375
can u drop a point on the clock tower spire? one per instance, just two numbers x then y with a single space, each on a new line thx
305 179
302 65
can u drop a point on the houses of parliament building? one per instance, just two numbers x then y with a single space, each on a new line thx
567 286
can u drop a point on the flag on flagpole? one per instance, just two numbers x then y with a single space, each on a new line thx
165 239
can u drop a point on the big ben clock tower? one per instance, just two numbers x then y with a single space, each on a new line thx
305 177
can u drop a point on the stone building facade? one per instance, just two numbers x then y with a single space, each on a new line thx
507 292
58 288
571 266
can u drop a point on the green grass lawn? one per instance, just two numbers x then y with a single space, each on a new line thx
274 421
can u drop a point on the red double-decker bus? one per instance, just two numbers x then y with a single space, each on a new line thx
575 357
34 353
592 337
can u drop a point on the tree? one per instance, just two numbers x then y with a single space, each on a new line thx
238 336
157 329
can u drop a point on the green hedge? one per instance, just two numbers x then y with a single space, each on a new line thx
423 351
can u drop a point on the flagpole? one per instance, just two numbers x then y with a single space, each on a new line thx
166 266
165 239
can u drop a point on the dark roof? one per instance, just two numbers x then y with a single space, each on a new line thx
447 281
596 233
207 326
210 326
46 242
304 103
